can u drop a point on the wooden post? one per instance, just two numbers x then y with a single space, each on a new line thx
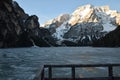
73 73
42 74
110 69
50 73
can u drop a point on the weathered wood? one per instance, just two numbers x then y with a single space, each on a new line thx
110 71
50 72
83 65
73 66
73 73
95 78
42 74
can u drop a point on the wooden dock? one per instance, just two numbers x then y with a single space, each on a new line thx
41 75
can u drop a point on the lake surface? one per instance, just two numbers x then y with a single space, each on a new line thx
24 63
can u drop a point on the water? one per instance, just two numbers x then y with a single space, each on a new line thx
24 63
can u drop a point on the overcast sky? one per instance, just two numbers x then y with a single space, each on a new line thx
48 9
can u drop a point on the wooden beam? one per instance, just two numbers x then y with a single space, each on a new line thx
73 66
110 72
73 73
50 72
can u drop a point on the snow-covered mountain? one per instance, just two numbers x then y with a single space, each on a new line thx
86 24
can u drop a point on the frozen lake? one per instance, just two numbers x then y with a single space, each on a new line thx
24 63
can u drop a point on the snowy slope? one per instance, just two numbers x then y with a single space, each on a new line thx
61 30
86 23
106 19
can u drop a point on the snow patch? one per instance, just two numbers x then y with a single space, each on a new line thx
89 37
61 30
108 27
83 38
85 12
106 19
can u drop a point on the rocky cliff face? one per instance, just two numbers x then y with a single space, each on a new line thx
53 24
86 24
90 13
112 39
18 29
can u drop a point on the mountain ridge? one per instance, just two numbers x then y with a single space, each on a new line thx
18 29
86 26
86 22
106 8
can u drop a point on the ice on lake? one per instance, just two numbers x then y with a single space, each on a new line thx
24 63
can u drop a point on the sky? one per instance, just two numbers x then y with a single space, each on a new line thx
49 9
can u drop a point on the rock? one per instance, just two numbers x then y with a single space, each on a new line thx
56 22
24 40
111 39
40 36
18 29
83 14
86 24
9 26
69 43
32 22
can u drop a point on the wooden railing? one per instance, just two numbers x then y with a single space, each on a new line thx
73 72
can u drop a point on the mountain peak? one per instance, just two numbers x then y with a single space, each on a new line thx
103 8
89 13
87 22
81 14
88 6
58 20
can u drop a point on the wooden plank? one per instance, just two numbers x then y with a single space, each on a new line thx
39 74
83 65
73 66
96 78
42 74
